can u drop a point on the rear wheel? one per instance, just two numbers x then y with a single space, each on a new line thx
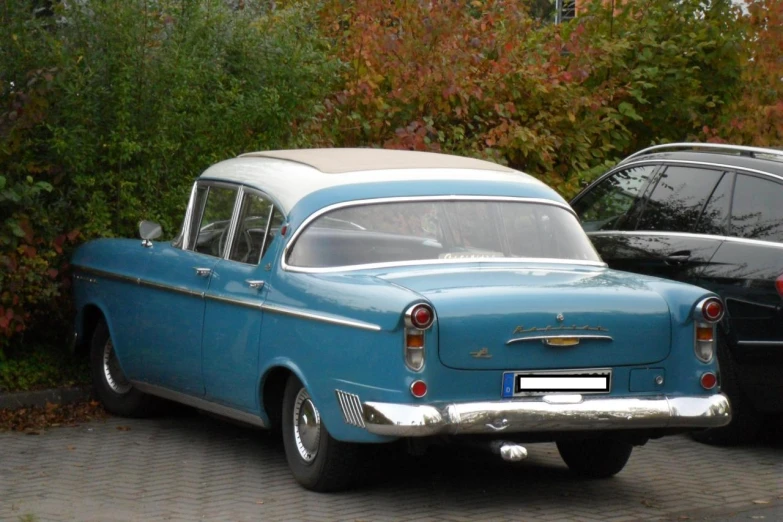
113 389
745 420
317 461
595 458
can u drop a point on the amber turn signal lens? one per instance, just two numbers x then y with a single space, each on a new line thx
414 340
704 333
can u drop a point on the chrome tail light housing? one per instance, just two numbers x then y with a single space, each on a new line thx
418 319
707 313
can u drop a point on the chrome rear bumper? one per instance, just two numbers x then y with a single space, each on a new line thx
548 413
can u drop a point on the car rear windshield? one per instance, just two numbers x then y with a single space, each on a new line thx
440 230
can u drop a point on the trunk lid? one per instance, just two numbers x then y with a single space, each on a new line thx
486 318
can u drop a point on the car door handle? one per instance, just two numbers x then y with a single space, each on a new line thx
678 259
202 272
254 284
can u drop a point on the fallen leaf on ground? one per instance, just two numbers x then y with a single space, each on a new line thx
123 428
761 501
33 420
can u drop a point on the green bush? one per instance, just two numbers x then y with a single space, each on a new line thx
110 109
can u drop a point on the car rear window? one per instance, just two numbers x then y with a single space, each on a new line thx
440 230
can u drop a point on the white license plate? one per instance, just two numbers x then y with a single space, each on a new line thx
544 382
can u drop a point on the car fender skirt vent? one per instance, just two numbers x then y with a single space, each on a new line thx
351 406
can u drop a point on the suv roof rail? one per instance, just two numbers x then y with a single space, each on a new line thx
743 150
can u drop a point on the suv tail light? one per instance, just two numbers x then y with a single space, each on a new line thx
779 284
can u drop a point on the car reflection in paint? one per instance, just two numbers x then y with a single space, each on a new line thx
355 296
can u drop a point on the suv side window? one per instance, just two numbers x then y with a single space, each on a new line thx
715 216
757 210
608 205
678 199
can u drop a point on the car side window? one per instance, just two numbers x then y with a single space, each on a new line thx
715 216
211 233
608 204
678 198
259 223
757 212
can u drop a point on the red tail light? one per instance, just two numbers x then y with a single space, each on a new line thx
421 316
711 309
779 284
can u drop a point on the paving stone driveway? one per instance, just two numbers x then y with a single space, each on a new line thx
191 467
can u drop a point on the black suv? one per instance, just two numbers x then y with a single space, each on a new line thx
710 215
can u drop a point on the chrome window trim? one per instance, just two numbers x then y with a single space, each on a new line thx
263 195
232 224
694 147
188 217
412 199
743 240
201 404
266 232
332 319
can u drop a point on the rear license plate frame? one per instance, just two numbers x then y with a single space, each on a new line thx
590 381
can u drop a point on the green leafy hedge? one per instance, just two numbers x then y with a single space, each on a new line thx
109 110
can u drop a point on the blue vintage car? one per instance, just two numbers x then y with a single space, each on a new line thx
354 296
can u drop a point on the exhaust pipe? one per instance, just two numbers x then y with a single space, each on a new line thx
509 451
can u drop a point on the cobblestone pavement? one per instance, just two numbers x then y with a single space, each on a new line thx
192 467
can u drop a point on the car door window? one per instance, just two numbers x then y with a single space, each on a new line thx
608 205
715 216
757 210
213 223
259 223
678 198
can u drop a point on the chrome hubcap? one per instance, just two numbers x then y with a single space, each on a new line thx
307 426
112 372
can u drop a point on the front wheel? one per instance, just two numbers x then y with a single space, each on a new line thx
317 461
595 458
113 389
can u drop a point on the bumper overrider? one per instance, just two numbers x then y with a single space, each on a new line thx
547 413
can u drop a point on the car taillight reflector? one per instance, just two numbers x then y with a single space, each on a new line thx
419 389
709 309
421 316
708 380
779 284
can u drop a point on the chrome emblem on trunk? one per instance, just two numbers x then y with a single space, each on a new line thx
481 354
561 328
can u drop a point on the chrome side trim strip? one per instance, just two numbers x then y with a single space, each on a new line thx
202 404
256 305
728 239
295 312
694 147
760 343
546 337
548 413
138 281
315 215
351 406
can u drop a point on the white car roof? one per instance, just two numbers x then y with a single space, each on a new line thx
290 175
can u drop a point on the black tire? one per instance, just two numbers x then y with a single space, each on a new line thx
119 396
745 422
595 458
333 464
